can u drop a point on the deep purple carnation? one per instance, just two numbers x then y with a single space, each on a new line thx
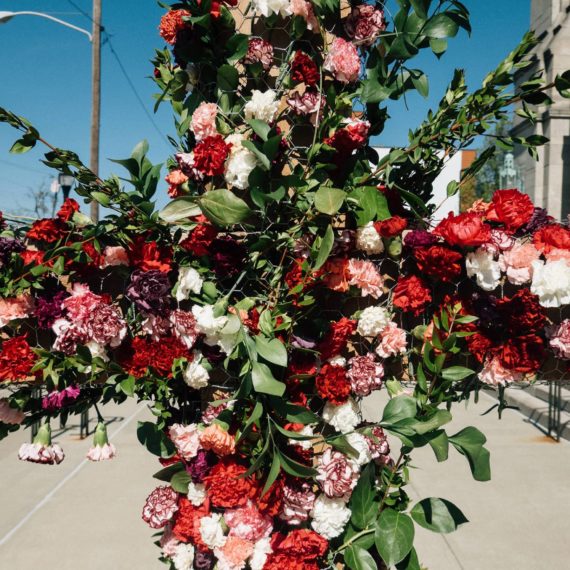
149 290
200 465
9 246
228 256
419 238
204 560
48 309
344 243
539 219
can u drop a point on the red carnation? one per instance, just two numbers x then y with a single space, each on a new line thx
332 384
147 255
522 312
511 208
282 561
270 503
391 227
172 23
187 523
411 294
464 230
210 155
302 544
68 208
478 344
16 359
552 236
523 354
97 260
144 353
47 230
439 262
336 339
34 257
227 487
201 237
349 138
304 69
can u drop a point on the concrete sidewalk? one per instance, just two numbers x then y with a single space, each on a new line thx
87 516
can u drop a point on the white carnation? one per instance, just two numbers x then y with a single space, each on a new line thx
304 443
211 531
329 516
369 240
196 493
183 557
483 266
262 106
261 550
238 168
551 282
338 361
360 444
268 7
344 418
206 323
189 281
372 321
195 375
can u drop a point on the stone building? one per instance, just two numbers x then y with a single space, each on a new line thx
548 181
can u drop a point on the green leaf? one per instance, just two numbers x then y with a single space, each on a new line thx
325 248
411 562
273 350
440 445
263 160
441 26
228 78
260 128
295 468
393 536
237 46
128 385
264 382
223 208
101 198
421 83
180 481
362 501
180 209
421 7
167 473
438 515
359 559
399 408
329 200
155 440
26 143
438 46
436 420
469 442
456 373
273 473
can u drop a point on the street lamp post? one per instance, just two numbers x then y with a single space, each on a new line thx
95 39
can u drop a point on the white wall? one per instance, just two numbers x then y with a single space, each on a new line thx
451 171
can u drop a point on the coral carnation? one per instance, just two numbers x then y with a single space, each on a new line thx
411 294
227 487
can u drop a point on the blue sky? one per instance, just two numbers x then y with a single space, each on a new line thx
46 74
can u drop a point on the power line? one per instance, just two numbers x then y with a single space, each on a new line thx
26 168
124 72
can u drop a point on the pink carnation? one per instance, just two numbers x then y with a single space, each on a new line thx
15 308
392 341
495 374
364 24
115 255
558 254
259 51
101 452
9 415
305 104
304 9
365 276
40 453
218 440
248 523
204 121
379 446
233 554
81 303
343 61
297 504
160 506
517 262
559 336
365 374
168 541
184 327
186 440
336 474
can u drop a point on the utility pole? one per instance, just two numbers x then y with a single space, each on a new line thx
95 98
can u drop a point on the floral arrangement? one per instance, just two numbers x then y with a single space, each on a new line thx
291 276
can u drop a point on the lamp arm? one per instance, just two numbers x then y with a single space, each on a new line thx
62 22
